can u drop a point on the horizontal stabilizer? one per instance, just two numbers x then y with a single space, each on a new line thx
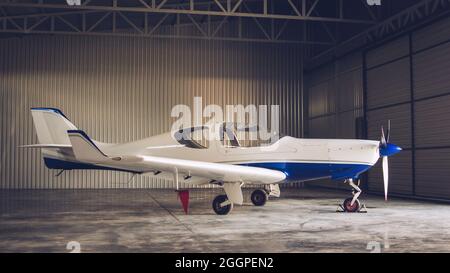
84 148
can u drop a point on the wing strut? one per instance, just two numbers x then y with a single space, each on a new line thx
234 192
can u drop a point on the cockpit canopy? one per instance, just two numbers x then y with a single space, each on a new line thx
230 135
194 137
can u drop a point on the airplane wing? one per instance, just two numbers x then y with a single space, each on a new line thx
213 171
85 150
182 178
46 146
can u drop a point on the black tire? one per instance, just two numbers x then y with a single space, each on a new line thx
259 198
221 210
349 208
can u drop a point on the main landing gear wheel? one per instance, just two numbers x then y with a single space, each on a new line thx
259 198
221 205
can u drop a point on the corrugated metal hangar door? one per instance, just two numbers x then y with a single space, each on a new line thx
406 82
120 89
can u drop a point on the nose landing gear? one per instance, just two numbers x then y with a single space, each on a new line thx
352 204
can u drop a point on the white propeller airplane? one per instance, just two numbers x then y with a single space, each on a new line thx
179 157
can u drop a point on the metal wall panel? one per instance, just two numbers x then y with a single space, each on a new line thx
346 124
400 175
431 72
431 66
349 90
432 173
321 99
321 75
388 52
123 89
400 117
431 35
323 127
334 92
388 84
432 122
349 63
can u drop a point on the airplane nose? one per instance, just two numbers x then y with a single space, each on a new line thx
390 150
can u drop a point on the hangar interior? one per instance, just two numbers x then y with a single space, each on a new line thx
337 69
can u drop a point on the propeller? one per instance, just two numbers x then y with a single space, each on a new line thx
384 145
386 150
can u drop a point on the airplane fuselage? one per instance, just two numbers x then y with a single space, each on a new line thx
299 159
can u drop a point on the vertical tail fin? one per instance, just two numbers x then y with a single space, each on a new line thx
51 126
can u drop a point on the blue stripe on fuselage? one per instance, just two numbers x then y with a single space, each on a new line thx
302 171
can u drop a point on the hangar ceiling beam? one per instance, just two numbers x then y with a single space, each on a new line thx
64 23
116 22
46 25
228 9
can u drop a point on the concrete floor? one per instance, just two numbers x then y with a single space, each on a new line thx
153 221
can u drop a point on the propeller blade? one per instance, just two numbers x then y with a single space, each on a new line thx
383 138
385 176
388 136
